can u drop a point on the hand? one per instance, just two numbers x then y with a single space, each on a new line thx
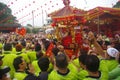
31 68
91 36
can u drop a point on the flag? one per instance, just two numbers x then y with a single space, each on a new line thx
49 50
21 31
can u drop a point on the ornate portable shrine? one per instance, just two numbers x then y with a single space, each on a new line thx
68 25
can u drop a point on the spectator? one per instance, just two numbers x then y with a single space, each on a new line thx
92 65
4 71
19 52
8 58
82 72
115 73
3 74
62 72
21 68
43 65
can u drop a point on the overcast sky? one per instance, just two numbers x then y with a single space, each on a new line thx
22 9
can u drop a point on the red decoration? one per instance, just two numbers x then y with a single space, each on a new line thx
49 50
21 31
29 4
53 24
83 20
33 1
11 2
66 41
8 5
78 38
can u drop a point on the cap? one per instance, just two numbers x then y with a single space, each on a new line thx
4 71
112 52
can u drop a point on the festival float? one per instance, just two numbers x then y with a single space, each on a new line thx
68 23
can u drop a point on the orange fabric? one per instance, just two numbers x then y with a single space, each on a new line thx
49 50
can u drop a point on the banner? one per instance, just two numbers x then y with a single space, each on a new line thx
21 31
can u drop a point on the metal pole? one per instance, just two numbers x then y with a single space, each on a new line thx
42 18
33 17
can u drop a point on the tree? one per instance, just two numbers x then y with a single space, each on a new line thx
28 30
35 30
117 5
6 14
29 25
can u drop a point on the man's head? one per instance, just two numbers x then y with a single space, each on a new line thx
43 63
3 73
8 47
92 63
82 59
61 61
19 63
18 47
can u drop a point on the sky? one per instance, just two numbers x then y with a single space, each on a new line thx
24 10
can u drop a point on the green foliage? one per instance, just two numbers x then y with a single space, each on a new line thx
117 5
28 30
6 14
29 25
35 30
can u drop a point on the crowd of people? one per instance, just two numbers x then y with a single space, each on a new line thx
24 58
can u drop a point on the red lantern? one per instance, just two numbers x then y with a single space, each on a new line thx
33 1
8 5
11 2
29 4
25 6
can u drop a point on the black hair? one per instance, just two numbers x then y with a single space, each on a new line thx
8 47
61 61
39 54
46 43
82 58
43 63
4 71
92 63
23 43
18 60
37 47
30 77
55 51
